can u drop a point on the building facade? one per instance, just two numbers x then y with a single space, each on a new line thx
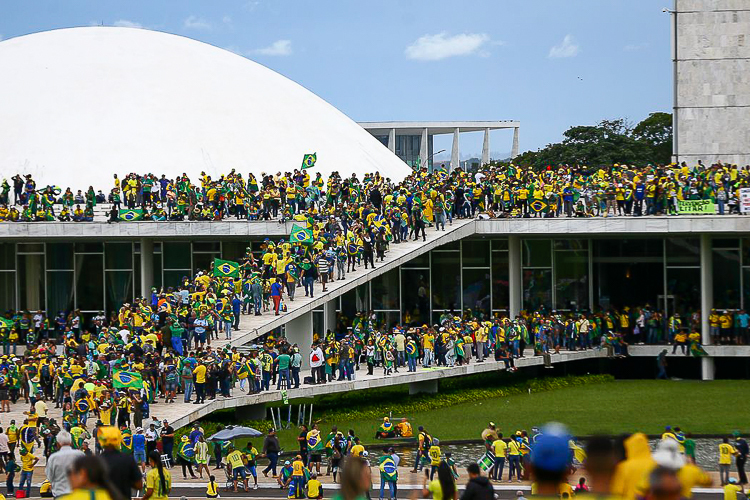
711 56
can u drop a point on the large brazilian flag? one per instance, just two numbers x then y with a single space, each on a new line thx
122 379
130 215
226 269
308 161
301 235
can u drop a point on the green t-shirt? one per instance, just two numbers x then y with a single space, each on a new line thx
283 360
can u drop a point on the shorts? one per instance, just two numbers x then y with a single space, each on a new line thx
315 458
200 337
239 471
251 470
140 456
171 386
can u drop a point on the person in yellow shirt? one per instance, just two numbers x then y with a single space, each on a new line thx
314 488
514 459
357 449
500 449
731 489
726 452
200 383
158 480
435 457
236 462
28 460
212 489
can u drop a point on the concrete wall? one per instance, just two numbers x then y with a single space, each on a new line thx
713 81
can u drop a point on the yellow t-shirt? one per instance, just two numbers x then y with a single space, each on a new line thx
200 374
81 494
434 454
28 462
500 447
313 488
153 482
357 450
726 451
235 459
731 490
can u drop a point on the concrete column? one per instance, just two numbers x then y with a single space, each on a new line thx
425 386
486 147
329 316
707 300
423 149
455 157
299 331
34 270
514 275
392 140
514 150
147 267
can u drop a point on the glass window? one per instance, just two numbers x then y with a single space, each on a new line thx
629 248
119 289
500 281
726 280
7 291
446 280
318 322
571 244
572 279
684 285
421 261
746 251
683 251
31 282
203 261
90 247
175 277
31 248
118 256
725 243
387 319
499 244
453 245
633 284
59 292
537 289
476 292
385 291
476 253
60 256
176 255
233 250
415 291
8 256
90 282
537 253
206 246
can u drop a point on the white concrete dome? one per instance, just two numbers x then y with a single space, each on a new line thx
82 104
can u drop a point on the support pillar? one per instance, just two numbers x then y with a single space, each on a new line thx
147 267
707 301
514 275
329 316
455 157
486 147
425 386
250 412
514 149
423 150
299 331
392 140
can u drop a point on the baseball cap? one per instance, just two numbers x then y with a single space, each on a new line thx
551 451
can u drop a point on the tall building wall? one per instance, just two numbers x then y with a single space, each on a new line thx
712 81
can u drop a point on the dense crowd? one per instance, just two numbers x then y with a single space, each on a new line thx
439 196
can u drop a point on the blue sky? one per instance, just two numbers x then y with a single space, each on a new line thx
549 63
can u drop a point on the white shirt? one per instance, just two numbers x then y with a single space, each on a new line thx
316 358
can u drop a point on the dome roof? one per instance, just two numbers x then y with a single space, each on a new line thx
82 104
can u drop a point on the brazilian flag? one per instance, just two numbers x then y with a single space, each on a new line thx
301 235
6 323
388 469
537 205
122 379
131 215
309 160
226 269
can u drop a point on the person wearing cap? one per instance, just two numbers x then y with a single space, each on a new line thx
237 461
550 461
139 448
741 458
733 490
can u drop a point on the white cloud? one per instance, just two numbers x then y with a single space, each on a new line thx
568 48
124 23
196 23
226 20
277 48
441 46
635 46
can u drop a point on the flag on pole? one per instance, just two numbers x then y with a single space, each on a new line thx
6 323
131 215
226 269
122 379
309 160
301 235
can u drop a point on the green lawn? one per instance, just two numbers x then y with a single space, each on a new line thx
612 408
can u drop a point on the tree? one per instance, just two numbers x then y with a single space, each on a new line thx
656 130
608 142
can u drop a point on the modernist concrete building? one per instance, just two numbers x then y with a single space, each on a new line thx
412 141
711 56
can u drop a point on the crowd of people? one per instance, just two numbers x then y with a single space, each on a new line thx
502 190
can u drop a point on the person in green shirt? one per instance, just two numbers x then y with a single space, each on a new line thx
282 365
